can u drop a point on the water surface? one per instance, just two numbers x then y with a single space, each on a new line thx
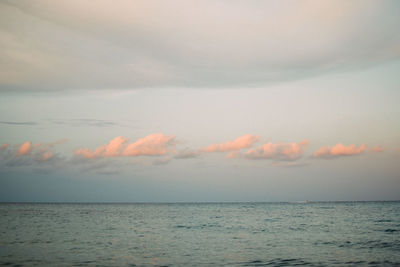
201 234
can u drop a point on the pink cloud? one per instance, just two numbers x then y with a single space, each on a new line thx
115 147
151 145
25 149
339 150
112 149
233 155
3 146
244 141
377 149
45 155
278 151
40 151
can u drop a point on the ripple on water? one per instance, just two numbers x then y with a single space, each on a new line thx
391 230
277 262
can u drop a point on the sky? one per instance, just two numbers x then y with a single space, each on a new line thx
192 101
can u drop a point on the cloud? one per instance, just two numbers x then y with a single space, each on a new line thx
85 122
233 155
68 122
3 146
40 156
40 151
278 151
377 149
187 154
46 155
152 145
183 43
112 149
24 149
241 142
18 122
338 151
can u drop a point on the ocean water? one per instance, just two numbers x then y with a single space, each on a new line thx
202 234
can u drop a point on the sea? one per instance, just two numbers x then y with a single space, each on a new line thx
200 234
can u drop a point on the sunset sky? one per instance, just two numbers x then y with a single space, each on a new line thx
169 101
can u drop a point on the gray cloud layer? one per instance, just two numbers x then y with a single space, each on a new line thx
85 122
18 122
47 45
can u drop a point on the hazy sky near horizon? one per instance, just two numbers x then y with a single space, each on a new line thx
199 100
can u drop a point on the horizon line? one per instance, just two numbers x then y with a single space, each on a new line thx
196 202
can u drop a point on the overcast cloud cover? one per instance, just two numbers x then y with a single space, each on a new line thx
63 45
199 100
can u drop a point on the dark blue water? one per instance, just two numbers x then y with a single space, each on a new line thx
209 234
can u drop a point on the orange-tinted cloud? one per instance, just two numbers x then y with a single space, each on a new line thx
244 141
339 150
115 147
377 149
278 151
152 145
233 155
24 149
112 149
40 151
3 146
46 155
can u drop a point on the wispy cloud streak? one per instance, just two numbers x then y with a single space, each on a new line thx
29 123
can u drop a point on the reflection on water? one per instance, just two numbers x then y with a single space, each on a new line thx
230 234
